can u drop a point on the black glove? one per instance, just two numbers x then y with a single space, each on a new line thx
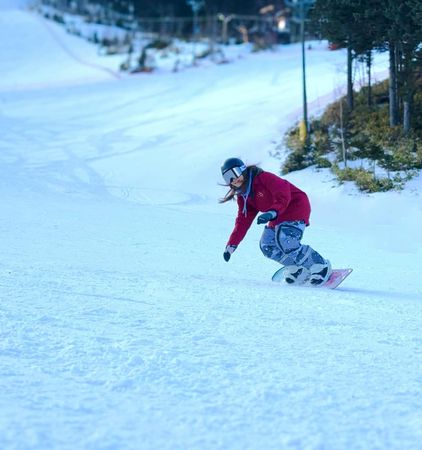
266 217
228 252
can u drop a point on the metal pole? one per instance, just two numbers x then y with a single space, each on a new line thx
302 33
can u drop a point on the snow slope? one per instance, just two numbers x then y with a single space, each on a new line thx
32 47
121 325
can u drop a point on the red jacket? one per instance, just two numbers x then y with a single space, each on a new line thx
270 192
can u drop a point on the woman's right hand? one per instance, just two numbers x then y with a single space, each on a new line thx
228 252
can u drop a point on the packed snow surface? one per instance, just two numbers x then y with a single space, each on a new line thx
121 325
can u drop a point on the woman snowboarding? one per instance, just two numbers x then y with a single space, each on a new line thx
285 211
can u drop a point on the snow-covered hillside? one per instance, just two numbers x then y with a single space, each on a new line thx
121 326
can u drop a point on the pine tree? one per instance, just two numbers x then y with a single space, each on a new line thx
342 22
393 25
403 35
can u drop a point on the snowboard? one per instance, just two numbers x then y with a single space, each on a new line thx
336 278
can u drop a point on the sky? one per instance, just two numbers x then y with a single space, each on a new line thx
122 327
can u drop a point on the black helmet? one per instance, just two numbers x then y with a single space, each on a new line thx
232 168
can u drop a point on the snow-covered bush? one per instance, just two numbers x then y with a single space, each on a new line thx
360 145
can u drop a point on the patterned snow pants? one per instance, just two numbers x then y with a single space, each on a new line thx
282 244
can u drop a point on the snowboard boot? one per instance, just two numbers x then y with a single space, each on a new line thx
295 274
319 274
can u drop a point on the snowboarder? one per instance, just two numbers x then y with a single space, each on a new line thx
285 211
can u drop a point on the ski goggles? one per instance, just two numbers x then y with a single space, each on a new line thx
231 174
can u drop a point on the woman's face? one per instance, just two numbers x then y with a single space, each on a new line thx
237 182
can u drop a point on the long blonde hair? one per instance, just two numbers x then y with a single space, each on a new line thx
230 194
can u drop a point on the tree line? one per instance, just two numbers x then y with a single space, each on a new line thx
183 8
363 26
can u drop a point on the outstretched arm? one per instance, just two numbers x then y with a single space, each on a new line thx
242 223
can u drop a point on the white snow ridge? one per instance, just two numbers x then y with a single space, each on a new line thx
121 326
